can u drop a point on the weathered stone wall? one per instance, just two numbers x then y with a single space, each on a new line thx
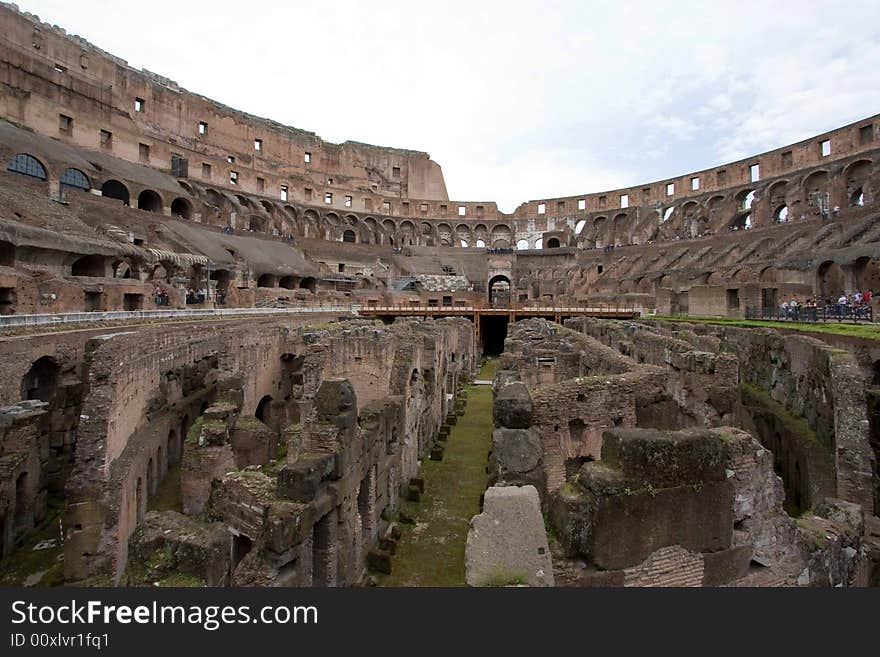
239 395
812 380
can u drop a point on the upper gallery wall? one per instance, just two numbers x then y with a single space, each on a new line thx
63 87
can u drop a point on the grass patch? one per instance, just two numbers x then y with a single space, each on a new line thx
431 552
861 330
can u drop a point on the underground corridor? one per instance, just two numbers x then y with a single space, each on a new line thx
431 551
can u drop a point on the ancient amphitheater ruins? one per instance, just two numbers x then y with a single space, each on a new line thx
235 354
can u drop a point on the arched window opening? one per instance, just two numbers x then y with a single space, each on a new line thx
115 189
266 280
149 201
91 265
76 179
41 380
182 208
27 165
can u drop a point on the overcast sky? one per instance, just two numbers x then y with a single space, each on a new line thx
516 100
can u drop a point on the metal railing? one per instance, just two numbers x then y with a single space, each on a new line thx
549 310
12 321
827 313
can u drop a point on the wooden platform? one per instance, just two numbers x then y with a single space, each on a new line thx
475 313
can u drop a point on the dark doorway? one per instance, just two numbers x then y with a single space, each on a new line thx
499 291
493 330
41 380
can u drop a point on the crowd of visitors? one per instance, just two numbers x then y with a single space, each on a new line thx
855 306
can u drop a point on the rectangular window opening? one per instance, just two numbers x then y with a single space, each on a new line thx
755 172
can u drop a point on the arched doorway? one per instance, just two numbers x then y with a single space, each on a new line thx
115 189
150 201
499 291
831 282
41 380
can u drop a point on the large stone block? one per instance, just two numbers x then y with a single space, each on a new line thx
518 451
507 542
663 458
513 406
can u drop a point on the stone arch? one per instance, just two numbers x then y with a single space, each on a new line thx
150 201
90 265
866 274
499 290
75 179
267 280
289 282
27 165
816 182
830 283
115 189
180 207
41 380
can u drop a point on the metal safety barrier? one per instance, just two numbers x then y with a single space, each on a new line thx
12 321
